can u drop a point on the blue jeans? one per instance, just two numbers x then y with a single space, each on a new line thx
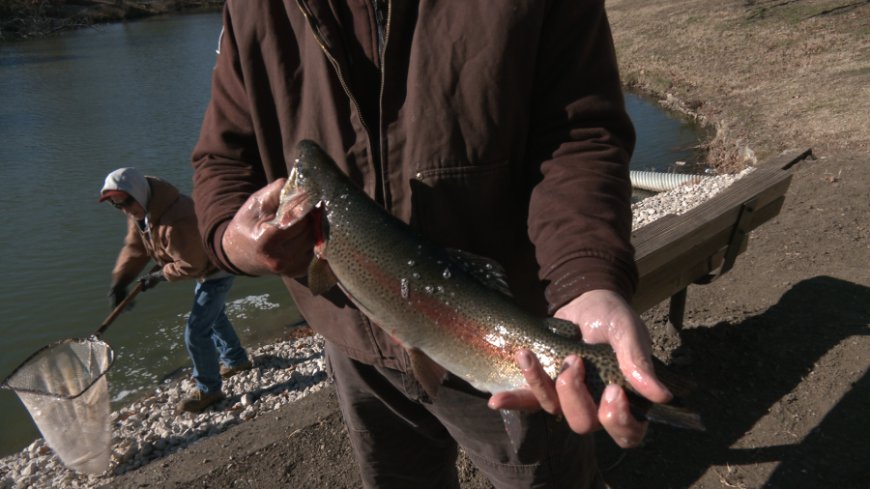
209 336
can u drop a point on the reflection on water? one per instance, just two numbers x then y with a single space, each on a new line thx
77 106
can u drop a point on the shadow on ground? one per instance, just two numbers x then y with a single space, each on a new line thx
750 370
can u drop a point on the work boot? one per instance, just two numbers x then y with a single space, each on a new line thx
227 372
199 400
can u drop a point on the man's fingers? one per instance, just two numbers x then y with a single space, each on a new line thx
540 391
538 381
576 402
520 400
569 396
617 420
637 368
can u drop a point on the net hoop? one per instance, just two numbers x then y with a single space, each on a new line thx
93 339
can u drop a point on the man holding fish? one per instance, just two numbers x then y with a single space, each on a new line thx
479 129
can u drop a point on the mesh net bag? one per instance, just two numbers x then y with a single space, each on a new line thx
64 388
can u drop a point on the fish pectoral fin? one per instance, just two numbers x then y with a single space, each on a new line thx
320 276
429 374
514 425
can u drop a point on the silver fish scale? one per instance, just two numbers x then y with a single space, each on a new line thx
398 280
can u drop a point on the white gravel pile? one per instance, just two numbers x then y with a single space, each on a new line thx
283 372
680 199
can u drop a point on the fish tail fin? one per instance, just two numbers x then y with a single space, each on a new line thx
675 416
679 386
670 414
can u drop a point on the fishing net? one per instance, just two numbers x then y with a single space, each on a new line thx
64 388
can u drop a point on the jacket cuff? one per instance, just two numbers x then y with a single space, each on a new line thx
216 251
582 274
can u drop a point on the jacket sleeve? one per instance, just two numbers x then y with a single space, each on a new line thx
581 141
226 160
132 258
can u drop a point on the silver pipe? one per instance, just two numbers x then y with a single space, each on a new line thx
661 182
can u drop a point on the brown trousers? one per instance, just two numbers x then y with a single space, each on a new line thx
403 439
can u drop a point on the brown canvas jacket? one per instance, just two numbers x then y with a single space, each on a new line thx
496 127
172 239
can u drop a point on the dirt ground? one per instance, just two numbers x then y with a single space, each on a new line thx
778 346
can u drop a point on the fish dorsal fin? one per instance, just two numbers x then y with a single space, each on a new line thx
563 328
320 277
429 374
485 270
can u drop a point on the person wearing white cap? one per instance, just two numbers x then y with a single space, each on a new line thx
161 226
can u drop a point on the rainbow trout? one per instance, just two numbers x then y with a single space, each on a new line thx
449 309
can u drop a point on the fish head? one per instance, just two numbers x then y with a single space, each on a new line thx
315 172
313 178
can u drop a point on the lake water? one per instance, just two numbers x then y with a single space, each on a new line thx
77 106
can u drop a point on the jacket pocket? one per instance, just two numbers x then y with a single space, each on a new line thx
474 208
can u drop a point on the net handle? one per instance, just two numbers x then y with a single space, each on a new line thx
120 307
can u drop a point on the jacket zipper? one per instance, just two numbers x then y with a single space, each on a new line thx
380 187
383 38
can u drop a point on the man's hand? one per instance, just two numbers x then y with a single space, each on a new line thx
117 294
150 280
603 317
257 246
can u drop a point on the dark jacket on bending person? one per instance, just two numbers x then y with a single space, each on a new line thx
493 127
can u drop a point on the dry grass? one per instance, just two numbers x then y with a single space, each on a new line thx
777 75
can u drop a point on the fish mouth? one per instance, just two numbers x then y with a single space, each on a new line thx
293 179
294 202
